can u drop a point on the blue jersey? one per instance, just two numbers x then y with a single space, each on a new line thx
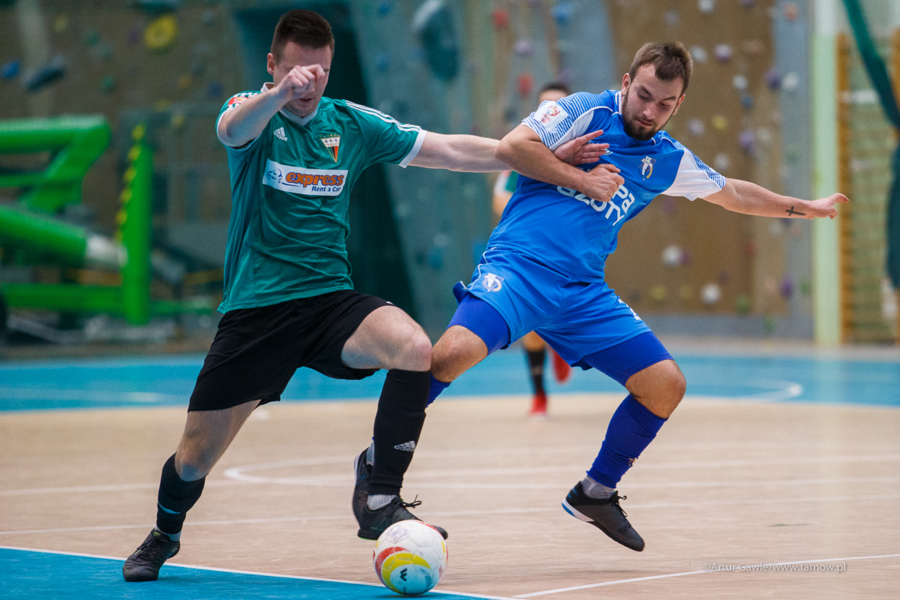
571 233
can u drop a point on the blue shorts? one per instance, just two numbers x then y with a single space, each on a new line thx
619 362
576 318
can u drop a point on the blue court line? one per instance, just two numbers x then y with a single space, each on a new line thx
167 381
41 574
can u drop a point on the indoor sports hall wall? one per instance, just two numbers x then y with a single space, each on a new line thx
467 66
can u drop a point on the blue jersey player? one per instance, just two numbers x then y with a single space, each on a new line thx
544 266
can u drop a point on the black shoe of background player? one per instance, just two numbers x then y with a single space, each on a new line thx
146 561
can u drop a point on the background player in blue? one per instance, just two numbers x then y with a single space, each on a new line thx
294 156
543 269
535 348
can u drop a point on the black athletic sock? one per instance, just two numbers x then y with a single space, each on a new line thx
536 360
176 497
398 423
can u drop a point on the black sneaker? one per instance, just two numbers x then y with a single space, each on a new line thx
372 523
606 515
361 490
144 564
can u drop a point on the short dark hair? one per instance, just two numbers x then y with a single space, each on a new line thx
555 86
303 27
670 59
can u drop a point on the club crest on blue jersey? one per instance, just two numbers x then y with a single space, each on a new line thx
492 283
647 167
550 114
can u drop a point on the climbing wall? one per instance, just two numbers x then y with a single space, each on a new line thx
128 62
694 257
466 66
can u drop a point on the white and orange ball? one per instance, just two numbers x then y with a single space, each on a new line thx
410 557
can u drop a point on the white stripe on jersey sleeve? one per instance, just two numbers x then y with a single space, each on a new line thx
579 109
694 179
414 152
420 138
386 118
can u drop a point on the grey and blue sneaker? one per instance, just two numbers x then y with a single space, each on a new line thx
606 515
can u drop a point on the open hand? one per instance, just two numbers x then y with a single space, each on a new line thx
580 151
824 207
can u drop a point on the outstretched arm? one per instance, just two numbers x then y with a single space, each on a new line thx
523 150
468 153
750 199
478 155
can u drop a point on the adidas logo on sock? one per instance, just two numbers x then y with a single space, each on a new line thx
406 447
279 133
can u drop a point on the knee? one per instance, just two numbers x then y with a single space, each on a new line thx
660 388
456 351
191 462
671 385
677 384
192 469
415 353
441 360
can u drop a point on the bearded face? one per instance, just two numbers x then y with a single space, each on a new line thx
648 102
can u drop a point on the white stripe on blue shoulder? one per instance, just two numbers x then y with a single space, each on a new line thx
580 111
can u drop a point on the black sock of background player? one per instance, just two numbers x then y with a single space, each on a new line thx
536 360
398 423
176 497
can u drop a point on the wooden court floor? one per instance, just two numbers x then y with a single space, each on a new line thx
735 499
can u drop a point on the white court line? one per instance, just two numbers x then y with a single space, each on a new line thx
478 512
790 389
240 572
242 473
237 476
106 488
621 581
414 481
128 397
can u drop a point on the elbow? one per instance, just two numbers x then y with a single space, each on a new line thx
228 133
505 151
225 133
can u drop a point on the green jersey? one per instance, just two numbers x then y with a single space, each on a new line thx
290 192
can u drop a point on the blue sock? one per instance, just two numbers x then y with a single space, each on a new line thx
436 388
630 430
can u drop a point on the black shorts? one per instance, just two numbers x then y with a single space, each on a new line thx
257 350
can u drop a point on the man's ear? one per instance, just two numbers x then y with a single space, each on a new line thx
677 105
270 63
626 81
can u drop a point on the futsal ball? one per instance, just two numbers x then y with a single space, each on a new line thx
410 557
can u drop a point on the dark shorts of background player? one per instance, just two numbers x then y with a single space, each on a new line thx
257 350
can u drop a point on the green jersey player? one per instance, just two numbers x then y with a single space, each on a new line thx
289 301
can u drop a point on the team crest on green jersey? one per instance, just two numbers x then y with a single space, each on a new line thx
333 144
